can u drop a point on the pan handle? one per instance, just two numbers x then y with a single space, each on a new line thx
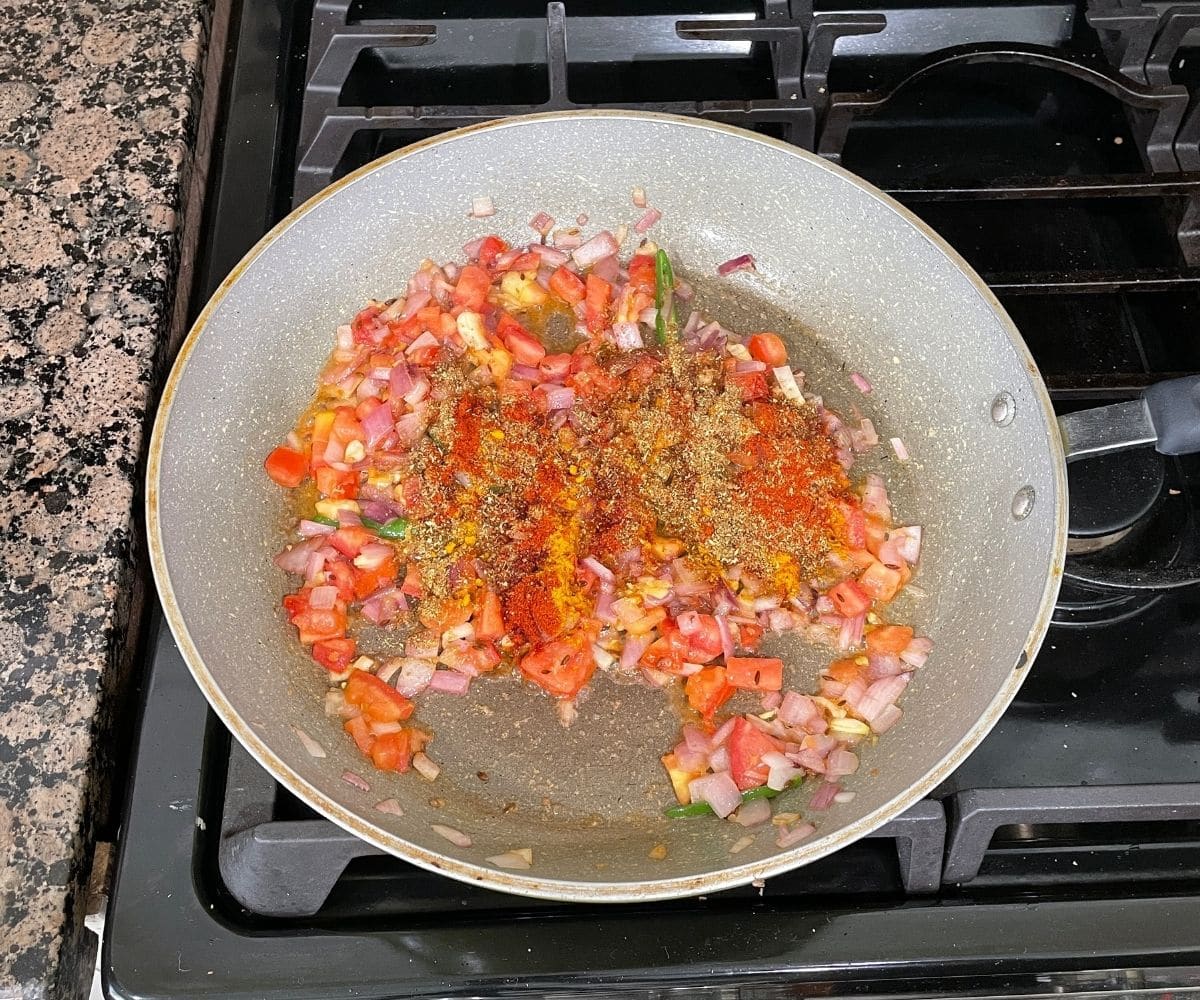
1166 415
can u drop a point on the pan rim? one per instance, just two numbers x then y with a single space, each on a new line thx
567 889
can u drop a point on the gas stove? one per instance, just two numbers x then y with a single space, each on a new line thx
1057 147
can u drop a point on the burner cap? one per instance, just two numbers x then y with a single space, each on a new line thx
1109 494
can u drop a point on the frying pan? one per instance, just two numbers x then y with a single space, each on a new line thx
851 280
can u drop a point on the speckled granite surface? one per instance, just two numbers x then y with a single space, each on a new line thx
98 107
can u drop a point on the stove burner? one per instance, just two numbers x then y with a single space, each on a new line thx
1110 496
1080 605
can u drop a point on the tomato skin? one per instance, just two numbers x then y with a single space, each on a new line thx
392 751
489 620
768 348
849 598
380 702
707 690
561 667
286 466
567 285
754 673
747 744
334 654
889 638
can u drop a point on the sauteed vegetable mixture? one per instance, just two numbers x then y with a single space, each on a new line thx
542 461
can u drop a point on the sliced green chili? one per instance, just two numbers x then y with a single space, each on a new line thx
664 278
322 519
749 795
395 529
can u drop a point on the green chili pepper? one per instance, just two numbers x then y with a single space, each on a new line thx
749 795
664 278
396 528
322 519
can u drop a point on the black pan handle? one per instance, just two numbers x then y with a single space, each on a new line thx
1166 415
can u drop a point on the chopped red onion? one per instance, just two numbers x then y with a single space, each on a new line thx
860 383
520 860
313 529
628 336
639 197
549 255
322 598
718 760
917 652
608 268
651 216
635 646
425 767
789 837
752 813
390 806
541 223
414 676
850 634
718 790
597 567
350 778
841 762
771 700
449 682
824 796
743 262
558 397
781 771
312 746
750 366
875 497
295 558
482 207
899 448
796 709
566 239
727 648
456 837
886 719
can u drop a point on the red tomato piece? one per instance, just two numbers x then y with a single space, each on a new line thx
336 484
392 751
845 671
380 702
707 690
491 248
749 636
360 729
747 744
316 624
321 429
555 366
349 541
412 581
567 285
768 348
667 653
472 288
855 526
286 466
642 273
334 654
524 347
889 639
368 581
754 673
596 296
880 582
346 427
849 598
489 619
342 575
561 667
528 261
705 643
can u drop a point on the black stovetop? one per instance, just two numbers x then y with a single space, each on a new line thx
1057 146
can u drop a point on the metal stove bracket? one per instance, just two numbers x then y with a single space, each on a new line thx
288 868
1126 34
1163 107
976 814
822 36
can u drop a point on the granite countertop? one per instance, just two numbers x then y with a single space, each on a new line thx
99 103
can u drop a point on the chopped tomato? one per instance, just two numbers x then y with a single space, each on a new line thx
360 729
752 385
472 287
749 636
707 690
379 701
334 654
491 248
596 303
567 285
525 348
642 273
321 429
849 598
346 427
412 581
337 484
855 526
344 576
489 619
528 261
747 744
705 643
667 653
286 466
392 751
845 671
880 582
593 383
889 639
349 540
555 366
754 673
316 624
768 348
561 667
368 581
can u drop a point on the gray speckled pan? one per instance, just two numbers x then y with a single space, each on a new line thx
855 282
